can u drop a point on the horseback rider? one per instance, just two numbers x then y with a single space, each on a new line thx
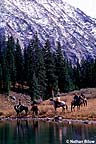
58 100
19 104
83 96
34 108
75 97
58 97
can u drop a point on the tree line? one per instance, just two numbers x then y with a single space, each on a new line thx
41 72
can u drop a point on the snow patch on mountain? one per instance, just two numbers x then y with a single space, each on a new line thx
51 19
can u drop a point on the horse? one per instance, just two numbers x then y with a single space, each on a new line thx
20 109
59 104
34 109
79 102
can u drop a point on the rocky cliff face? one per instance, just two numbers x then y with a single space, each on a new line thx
52 19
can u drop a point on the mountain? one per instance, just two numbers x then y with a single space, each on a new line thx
51 19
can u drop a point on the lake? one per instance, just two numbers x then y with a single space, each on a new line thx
41 132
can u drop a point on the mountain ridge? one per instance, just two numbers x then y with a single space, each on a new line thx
53 20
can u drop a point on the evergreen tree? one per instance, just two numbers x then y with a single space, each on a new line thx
63 71
10 62
30 61
60 63
34 88
19 64
5 78
40 67
94 73
69 83
72 85
77 76
0 78
87 73
50 69
7 82
25 57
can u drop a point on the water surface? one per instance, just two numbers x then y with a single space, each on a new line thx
41 132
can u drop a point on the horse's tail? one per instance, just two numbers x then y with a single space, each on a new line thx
85 102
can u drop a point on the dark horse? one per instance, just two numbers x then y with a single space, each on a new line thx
20 109
79 102
59 104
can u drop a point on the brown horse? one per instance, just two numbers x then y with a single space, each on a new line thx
79 102
59 104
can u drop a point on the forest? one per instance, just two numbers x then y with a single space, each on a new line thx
41 72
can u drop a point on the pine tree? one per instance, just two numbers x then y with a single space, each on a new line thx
5 77
94 73
34 88
40 67
7 82
0 78
77 75
10 60
63 71
87 71
30 61
50 69
25 57
19 64
69 84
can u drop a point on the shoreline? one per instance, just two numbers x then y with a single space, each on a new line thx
48 119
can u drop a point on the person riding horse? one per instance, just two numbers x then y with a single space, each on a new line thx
75 97
34 108
19 104
19 108
78 101
84 99
58 103
58 100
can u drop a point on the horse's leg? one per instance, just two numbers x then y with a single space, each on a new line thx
26 111
66 107
78 107
63 109
86 102
72 107
55 108
36 113
18 115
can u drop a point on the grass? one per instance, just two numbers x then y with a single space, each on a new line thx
46 109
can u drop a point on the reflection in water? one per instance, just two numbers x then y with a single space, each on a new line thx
26 132
37 132
21 129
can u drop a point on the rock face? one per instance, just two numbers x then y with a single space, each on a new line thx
51 19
